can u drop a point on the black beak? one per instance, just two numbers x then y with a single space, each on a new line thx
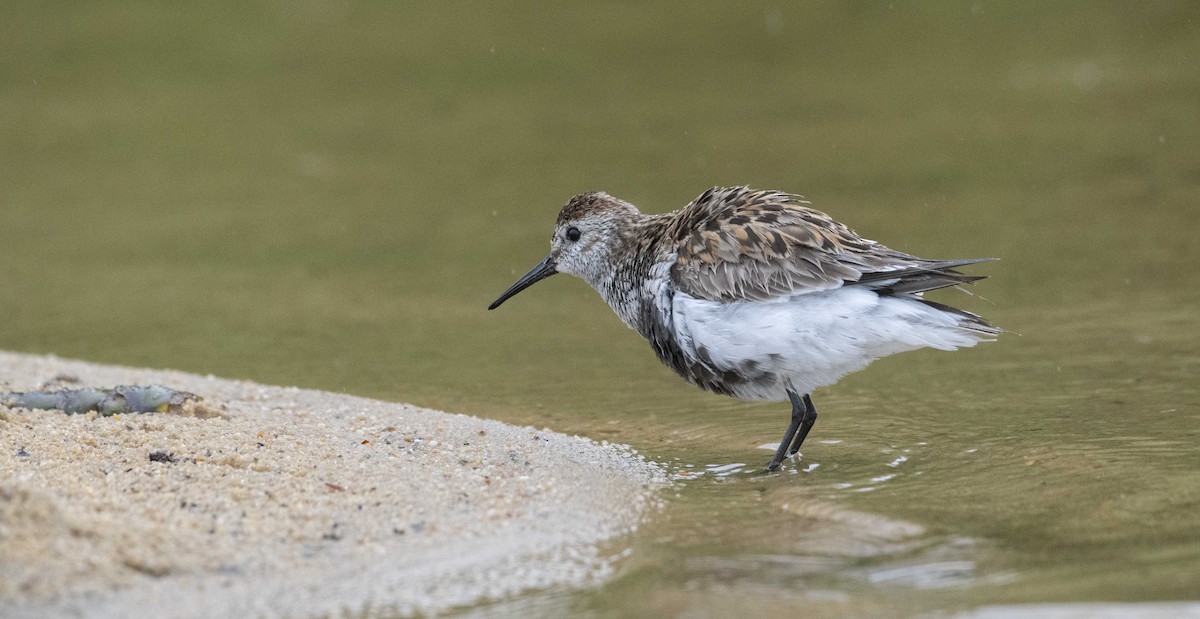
544 269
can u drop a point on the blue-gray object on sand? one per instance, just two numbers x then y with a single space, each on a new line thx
119 399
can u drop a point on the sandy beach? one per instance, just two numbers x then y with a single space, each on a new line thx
276 501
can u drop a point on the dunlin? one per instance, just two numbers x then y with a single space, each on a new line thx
755 295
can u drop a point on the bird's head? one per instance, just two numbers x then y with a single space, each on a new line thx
591 228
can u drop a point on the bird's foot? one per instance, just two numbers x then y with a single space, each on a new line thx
777 462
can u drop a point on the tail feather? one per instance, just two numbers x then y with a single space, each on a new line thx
928 276
913 282
967 320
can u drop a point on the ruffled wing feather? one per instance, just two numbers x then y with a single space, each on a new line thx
742 244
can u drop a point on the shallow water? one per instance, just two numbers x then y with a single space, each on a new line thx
329 195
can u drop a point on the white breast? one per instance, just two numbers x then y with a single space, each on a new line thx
810 340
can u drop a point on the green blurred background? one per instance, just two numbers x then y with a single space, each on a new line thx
328 194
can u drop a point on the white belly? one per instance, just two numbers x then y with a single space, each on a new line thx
810 340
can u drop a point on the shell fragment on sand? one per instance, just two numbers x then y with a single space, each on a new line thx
114 401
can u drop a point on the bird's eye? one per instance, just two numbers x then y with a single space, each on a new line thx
573 234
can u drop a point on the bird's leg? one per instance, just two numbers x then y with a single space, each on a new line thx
810 418
799 412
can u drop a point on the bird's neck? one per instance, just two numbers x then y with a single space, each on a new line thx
640 268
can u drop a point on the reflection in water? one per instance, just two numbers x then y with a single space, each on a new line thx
725 470
829 545
898 461
819 546
925 575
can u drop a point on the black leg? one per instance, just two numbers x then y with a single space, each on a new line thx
810 418
799 412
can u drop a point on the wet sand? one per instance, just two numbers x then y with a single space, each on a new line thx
276 501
